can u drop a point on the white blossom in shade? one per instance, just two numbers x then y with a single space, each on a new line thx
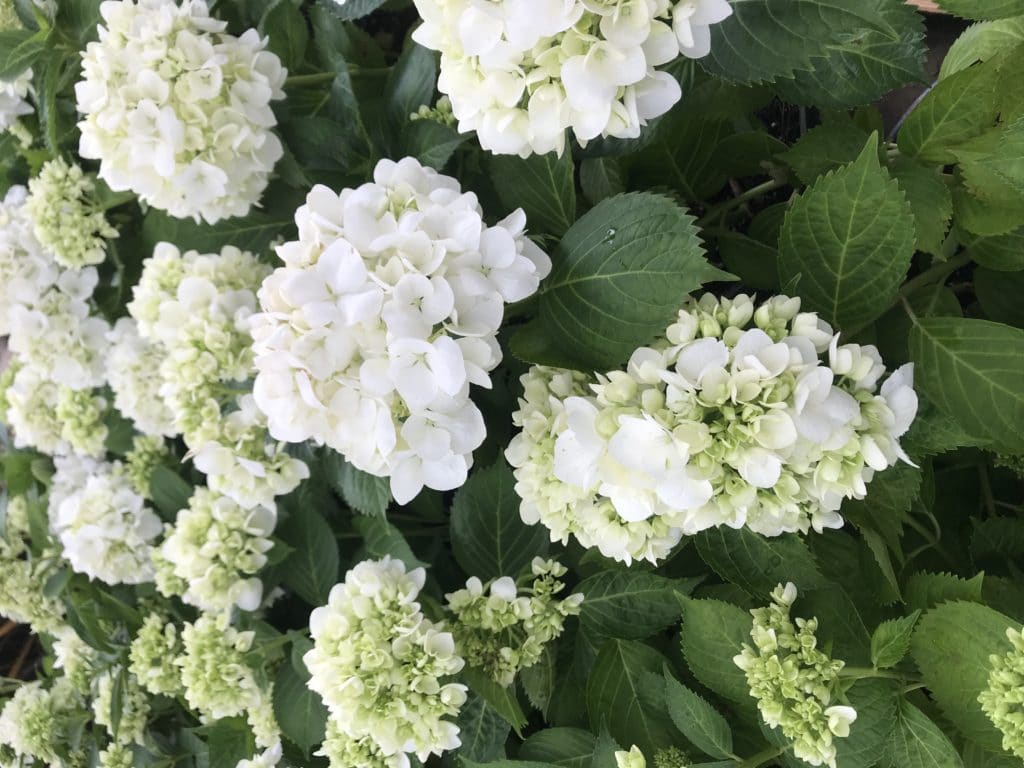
103 525
268 758
521 73
385 313
177 110
14 99
66 218
741 416
133 372
216 548
381 668
27 270
243 464
35 723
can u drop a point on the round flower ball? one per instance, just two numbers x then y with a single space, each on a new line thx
386 311
177 110
523 72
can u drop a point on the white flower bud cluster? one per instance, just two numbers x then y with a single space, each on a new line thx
1003 700
743 416
177 110
381 667
386 311
216 548
522 72
794 682
67 219
152 656
14 100
190 323
504 626
36 723
132 705
103 525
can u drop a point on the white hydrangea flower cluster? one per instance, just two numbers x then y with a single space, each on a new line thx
67 219
504 626
1003 700
215 550
27 270
522 72
14 100
133 706
190 324
23 578
115 756
793 681
35 724
385 313
141 461
103 525
75 658
152 656
380 666
744 415
177 110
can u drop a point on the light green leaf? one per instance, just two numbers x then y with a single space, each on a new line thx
972 370
999 295
539 679
312 568
483 731
917 742
930 200
697 720
19 48
489 538
299 711
875 701
627 603
754 262
986 218
680 154
959 108
363 492
569 747
847 241
544 186
984 9
600 178
169 492
620 275
229 740
980 42
926 590
952 646
891 640
758 563
621 695
502 700
1004 253
824 148
713 633
382 538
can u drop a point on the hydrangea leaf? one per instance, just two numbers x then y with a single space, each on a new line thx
569 747
620 275
299 711
680 154
1004 253
697 720
825 147
984 9
972 370
758 563
286 31
539 680
999 295
982 41
543 186
713 633
169 492
482 730
917 742
930 201
489 538
312 568
875 701
628 604
621 693
951 647
19 49
926 590
350 10
890 641
847 242
365 493
382 538
997 537
502 700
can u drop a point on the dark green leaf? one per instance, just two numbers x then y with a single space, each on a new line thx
502 700
352 9
482 731
299 711
363 492
824 148
917 742
757 563
891 640
19 48
288 36
930 200
312 569
999 295
540 679
875 701
382 538
169 492
926 590
627 603
697 720
713 633
569 747
543 186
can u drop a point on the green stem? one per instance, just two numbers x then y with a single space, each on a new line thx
934 275
314 79
744 197
862 673
761 757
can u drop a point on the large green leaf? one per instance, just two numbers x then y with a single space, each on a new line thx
959 108
569 747
544 186
972 370
825 147
982 41
926 590
286 31
382 538
627 603
847 242
713 633
489 538
312 568
482 730
930 200
952 646
620 275
984 9
168 491
1003 252
875 701
499 698
351 9
299 711
917 742
365 493
697 720
19 48
999 295
757 563
626 693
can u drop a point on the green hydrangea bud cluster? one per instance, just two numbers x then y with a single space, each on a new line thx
1003 700
22 577
35 724
439 113
133 702
67 218
115 756
671 757
152 656
8 16
80 415
793 681
502 627
148 452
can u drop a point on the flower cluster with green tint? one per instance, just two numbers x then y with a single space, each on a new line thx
1003 700
152 656
795 682
503 626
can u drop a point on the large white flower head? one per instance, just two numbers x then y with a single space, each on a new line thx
133 372
522 72
66 218
381 667
743 415
177 110
152 656
103 525
36 724
216 548
385 312
795 682
27 269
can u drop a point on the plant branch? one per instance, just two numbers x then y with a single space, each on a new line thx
935 274
761 757
744 197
